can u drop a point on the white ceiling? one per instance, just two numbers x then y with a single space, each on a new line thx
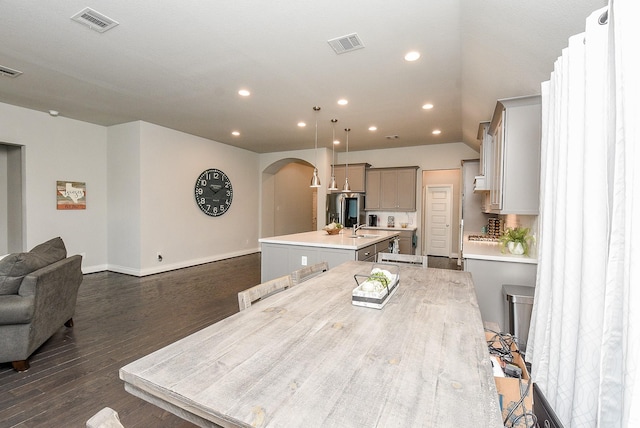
180 65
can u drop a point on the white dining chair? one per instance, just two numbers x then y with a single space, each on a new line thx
308 272
261 291
411 259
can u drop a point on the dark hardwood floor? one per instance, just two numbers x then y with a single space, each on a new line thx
118 319
443 263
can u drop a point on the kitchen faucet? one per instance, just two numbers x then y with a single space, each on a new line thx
355 229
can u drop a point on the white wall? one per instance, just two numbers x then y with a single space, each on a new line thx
124 198
140 200
57 148
170 220
3 200
431 157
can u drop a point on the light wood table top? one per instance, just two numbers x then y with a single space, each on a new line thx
307 357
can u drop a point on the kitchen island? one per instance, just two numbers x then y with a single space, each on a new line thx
408 240
283 254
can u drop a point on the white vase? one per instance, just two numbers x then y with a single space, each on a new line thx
515 247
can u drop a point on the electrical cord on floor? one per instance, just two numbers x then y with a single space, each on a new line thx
534 420
505 340
500 345
523 395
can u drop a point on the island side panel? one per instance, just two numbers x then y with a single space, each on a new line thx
282 259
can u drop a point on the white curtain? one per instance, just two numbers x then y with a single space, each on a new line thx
584 341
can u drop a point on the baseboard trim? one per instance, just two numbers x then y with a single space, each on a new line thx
128 270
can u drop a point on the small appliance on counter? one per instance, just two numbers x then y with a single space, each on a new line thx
373 220
391 221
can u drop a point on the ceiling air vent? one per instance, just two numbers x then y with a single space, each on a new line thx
94 20
9 72
348 43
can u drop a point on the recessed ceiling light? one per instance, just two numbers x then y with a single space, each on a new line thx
244 92
336 142
436 132
373 128
343 102
235 133
412 56
302 124
427 106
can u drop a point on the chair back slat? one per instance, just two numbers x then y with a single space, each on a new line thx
308 272
411 259
261 291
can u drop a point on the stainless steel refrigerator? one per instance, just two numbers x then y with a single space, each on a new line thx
346 208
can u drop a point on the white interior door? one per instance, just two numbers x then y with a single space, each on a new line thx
438 242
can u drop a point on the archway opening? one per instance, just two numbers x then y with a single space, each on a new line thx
289 205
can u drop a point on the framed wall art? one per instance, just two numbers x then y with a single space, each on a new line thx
71 195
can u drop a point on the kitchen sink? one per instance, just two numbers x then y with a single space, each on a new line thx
366 236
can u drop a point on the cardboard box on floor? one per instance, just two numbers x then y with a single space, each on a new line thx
509 387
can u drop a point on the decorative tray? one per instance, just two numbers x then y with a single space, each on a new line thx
375 290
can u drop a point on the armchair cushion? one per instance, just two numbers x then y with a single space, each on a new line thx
14 267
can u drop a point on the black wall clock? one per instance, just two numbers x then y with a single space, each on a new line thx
213 192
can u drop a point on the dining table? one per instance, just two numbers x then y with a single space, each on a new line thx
308 357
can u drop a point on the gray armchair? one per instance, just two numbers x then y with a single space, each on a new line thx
38 292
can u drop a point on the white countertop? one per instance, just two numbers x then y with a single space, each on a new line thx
483 250
320 238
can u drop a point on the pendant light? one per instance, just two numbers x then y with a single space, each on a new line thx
333 185
315 180
346 187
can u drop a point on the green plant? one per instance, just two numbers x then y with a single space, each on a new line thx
520 235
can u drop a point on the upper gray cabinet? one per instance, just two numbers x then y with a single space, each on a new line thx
356 175
515 164
391 189
482 181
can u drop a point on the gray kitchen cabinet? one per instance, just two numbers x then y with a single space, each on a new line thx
370 253
515 169
482 182
489 276
372 201
406 242
356 175
395 189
